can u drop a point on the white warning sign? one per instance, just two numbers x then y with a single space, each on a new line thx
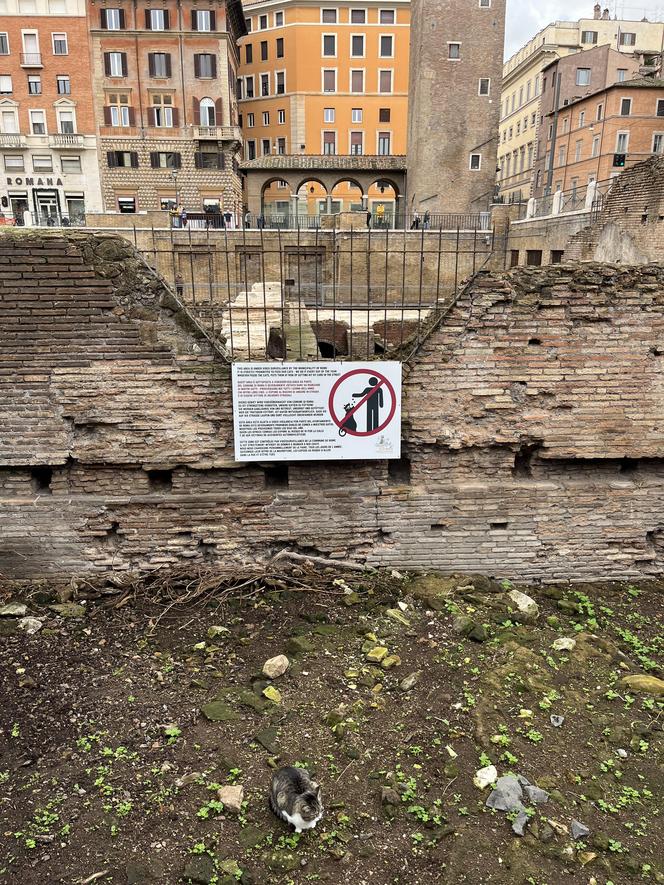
316 411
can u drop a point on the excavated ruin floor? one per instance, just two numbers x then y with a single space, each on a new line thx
110 767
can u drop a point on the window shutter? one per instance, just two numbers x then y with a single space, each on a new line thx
218 109
213 60
154 159
103 19
213 20
111 159
134 159
151 117
122 19
197 160
151 63
148 21
107 116
177 160
107 64
132 117
176 117
194 20
197 65
221 161
168 64
197 112
124 64
166 21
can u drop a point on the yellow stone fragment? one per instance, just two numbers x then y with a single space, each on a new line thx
377 654
585 857
646 684
390 661
272 694
525 714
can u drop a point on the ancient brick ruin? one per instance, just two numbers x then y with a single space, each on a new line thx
532 430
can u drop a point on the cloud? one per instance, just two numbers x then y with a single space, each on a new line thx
525 18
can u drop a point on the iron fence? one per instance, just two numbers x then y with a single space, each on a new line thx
374 220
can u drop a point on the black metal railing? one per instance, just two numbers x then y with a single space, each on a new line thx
371 220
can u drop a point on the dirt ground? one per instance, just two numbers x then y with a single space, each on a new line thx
119 725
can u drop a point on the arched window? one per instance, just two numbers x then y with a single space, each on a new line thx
208 114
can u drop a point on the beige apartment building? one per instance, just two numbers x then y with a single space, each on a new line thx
520 111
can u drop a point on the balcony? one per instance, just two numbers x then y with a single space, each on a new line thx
11 141
65 140
31 60
218 133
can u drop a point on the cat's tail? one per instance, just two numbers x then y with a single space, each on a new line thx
275 808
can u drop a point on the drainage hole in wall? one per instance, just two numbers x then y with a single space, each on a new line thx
498 525
276 476
160 480
40 479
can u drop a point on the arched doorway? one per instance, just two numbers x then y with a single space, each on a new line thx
347 196
277 203
383 204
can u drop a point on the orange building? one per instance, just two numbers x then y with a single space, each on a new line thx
324 79
595 137
48 139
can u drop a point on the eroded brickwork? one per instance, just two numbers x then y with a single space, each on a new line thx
532 430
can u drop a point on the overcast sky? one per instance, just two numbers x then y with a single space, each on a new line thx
526 17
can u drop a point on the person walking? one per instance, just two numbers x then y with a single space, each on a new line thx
416 221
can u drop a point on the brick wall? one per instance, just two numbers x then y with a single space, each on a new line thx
532 431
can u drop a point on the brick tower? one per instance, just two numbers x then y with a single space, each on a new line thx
456 61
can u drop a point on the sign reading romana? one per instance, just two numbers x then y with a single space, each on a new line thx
316 411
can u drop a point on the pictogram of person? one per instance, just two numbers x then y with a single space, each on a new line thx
374 403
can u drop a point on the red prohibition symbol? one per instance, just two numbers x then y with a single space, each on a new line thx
347 423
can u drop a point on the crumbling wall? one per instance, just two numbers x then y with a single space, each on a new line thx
532 430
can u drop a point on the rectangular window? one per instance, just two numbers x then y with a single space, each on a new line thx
385 81
281 116
205 66
249 87
577 151
589 36
203 20
358 16
280 81
384 143
281 146
112 19
122 159
263 50
165 160
386 46
627 38
115 64
6 85
37 123
357 81
657 143
250 121
159 64
63 84
622 141
485 4
278 19
59 44
600 112
625 107
262 22
534 257
119 114
356 141
251 150
387 17
356 115
249 53
329 81
71 165
66 122
329 142
127 205
475 162
266 118
328 115
4 44
595 148
383 115
622 75
582 76
454 52
156 19
582 119
9 122
280 47
484 86
265 84
42 163
328 16
163 113
357 45
660 107
265 145
329 45
14 163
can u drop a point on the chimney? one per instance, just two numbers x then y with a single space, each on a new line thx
597 11
605 15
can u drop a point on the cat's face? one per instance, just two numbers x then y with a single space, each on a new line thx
308 805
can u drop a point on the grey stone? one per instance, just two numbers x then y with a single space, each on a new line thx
556 721
13 610
199 869
579 830
520 823
30 625
506 795
144 872
389 796
232 796
535 794
68 609
410 681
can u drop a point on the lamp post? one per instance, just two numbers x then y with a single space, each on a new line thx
175 184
